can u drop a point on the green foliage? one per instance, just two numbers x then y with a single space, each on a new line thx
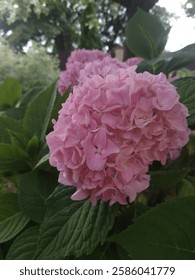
165 232
186 89
166 179
24 246
36 118
35 69
10 92
12 220
34 189
170 61
146 37
73 228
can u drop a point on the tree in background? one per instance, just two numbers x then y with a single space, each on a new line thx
189 8
61 26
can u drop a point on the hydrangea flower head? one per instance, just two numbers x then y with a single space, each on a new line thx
111 129
75 63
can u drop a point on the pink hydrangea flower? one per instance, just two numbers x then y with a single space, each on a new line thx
133 61
75 63
111 129
103 67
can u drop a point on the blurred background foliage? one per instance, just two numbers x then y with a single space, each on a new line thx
34 70
61 26
39 34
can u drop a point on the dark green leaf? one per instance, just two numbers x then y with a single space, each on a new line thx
186 89
12 220
38 113
181 58
43 163
34 188
59 101
165 179
166 232
1 254
170 61
146 36
13 166
24 246
73 228
10 92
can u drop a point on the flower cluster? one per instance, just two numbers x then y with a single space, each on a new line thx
75 63
85 63
107 65
111 129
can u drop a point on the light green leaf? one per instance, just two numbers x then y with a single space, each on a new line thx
33 146
145 35
38 113
24 246
73 228
12 220
187 188
166 232
10 92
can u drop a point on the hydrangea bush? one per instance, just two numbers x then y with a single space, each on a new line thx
101 164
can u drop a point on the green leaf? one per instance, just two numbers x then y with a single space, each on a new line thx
24 246
186 90
146 36
9 151
165 179
8 124
59 101
12 220
43 163
180 58
1 254
73 228
10 92
170 61
38 113
15 113
187 188
18 139
34 188
33 146
191 143
12 166
166 232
